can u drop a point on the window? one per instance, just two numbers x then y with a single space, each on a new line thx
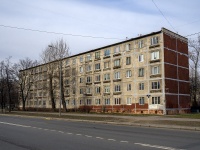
141 58
117 50
128 60
74 102
97 66
117 101
128 73
67 62
107 89
97 101
117 62
88 102
128 100
88 68
106 64
81 80
81 69
141 72
88 90
155 70
128 47
107 52
74 91
155 100
141 101
74 61
97 89
141 86
67 102
81 91
67 91
98 78
106 77
74 71
128 87
107 101
97 55
154 40
155 85
155 55
140 44
81 102
117 88
67 82
89 79
117 75
88 57
81 58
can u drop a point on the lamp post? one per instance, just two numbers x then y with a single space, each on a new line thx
60 70
148 96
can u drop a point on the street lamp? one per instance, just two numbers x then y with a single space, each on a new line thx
60 69
148 96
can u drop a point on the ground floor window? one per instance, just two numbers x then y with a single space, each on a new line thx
117 101
97 101
155 100
129 100
107 101
141 100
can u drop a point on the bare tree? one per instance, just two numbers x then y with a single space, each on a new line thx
2 85
55 51
24 79
194 55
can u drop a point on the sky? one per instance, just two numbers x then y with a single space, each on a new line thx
104 21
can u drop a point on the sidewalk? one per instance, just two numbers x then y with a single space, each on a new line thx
169 122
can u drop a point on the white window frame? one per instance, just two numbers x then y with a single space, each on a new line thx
116 62
128 100
155 55
156 100
89 79
106 52
107 101
88 57
81 59
97 55
89 68
117 50
117 75
106 89
141 44
141 72
106 64
117 101
117 88
98 77
128 87
97 66
128 60
128 47
154 40
155 70
107 77
155 85
88 90
88 102
128 73
141 86
98 101
67 102
141 58
81 69
141 101
98 89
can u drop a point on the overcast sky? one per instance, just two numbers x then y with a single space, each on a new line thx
115 19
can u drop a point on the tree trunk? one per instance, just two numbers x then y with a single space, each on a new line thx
51 93
62 95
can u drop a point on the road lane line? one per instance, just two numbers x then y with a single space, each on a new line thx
69 133
111 140
61 132
157 146
88 136
124 141
79 134
99 138
12 124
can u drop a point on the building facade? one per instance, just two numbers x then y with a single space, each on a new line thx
146 74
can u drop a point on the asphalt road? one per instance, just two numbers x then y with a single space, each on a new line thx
20 133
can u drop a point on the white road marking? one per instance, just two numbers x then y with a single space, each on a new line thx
111 140
69 133
124 141
157 146
88 136
99 138
53 130
12 124
39 128
78 134
61 132
46 129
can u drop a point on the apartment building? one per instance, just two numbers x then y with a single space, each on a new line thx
146 74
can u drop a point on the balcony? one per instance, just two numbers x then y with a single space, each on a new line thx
117 54
88 83
105 57
155 76
154 61
106 94
116 67
154 46
106 69
97 70
106 81
97 82
156 91
117 80
117 93
96 59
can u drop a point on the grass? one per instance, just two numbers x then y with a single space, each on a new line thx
189 116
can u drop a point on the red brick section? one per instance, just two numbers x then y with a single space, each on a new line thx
171 85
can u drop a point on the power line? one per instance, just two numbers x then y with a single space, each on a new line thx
192 34
58 33
163 15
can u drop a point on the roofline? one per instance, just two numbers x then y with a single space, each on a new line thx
93 50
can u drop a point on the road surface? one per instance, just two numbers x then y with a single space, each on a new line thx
21 133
